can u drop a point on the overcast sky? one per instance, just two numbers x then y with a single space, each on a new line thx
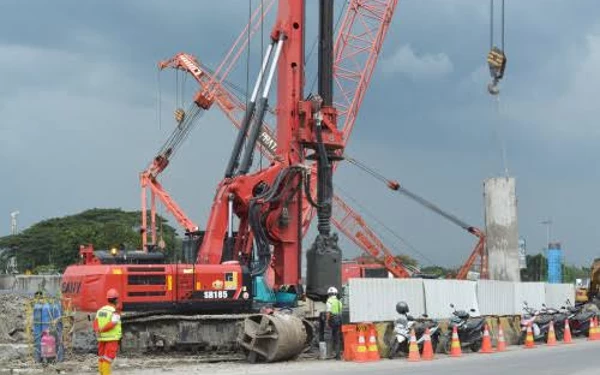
78 114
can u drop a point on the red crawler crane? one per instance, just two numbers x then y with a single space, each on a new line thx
359 41
268 203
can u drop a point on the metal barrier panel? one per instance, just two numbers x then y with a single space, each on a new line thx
533 293
557 294
439 294
374 300
497 297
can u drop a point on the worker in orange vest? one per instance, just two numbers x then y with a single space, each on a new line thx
107 326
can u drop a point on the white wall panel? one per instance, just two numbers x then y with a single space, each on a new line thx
374 300
533 293
557 294
497 297
439 294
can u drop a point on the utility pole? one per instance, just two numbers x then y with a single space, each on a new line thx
13 222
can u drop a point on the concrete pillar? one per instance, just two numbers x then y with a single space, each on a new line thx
502 232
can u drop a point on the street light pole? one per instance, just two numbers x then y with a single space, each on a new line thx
548 224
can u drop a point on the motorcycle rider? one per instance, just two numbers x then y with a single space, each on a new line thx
402 309
403 319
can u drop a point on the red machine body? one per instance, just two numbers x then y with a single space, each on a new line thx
357 270
148 285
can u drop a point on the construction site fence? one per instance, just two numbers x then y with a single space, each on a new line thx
29 284
374 300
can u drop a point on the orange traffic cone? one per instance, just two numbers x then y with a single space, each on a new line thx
501 342
529 338
455 350
372 350
592 330
361 348
413 348
427 347
567 339
597 335
486 345
551 335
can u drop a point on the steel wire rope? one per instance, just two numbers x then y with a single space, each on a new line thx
262 46
395 234
496 127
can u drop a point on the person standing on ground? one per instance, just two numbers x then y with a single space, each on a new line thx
107 326
334 319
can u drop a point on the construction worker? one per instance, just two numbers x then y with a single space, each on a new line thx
334 319
107 326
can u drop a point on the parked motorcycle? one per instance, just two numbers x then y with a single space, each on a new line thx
579 318
539 320
470 330
400 341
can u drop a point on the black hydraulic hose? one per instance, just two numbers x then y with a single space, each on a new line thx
309 196
323 186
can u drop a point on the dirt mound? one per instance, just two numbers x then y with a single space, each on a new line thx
13 310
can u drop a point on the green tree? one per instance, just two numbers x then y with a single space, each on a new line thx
403 258
55 242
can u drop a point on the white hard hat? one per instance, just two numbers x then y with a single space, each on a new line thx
332 290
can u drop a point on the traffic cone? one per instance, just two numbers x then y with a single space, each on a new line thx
361 348
486 345
413 348
567 336
427 347
372 350
455 349
501 342
529 344
596 332
592 330
551 335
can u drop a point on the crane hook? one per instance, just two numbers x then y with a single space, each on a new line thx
179 115
497 63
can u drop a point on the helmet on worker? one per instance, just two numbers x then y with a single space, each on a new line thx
402 307
112 295
332 291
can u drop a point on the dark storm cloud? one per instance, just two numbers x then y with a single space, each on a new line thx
79 116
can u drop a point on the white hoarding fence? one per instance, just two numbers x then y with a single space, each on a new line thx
439 294
374 300
557 295
533 293
496 297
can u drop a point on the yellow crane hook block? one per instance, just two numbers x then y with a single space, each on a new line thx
497 63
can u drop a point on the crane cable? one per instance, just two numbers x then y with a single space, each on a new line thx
496 58
497 63
384 226
395 185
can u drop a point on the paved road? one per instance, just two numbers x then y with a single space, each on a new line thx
580 358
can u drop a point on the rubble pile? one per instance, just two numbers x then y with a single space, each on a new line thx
13 310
